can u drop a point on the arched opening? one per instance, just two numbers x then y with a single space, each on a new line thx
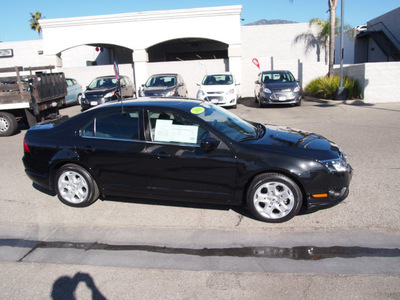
187 49
96 54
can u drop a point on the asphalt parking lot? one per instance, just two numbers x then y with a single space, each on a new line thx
369 218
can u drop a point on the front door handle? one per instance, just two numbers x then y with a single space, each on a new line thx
161 155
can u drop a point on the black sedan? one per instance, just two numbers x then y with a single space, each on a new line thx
277 87
187 150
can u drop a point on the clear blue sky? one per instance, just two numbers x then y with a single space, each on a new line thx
15 14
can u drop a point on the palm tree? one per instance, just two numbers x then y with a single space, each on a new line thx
35 17
319 40
332 4
332 16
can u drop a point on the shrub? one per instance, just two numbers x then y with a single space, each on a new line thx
325 87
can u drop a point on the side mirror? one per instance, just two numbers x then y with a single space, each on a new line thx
209 144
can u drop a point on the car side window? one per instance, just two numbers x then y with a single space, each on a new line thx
115 125
171 127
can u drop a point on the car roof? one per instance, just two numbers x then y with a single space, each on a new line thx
180 103
276 71
218 73
109 76
164 74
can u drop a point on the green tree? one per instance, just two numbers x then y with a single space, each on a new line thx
35 17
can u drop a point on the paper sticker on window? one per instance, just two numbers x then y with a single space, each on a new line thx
167 132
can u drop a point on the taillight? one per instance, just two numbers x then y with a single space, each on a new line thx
26 148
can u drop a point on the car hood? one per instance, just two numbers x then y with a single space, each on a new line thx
158 88
217 88
281 85
99 91
298 142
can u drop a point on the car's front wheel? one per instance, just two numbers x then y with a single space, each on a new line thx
75 186
274 197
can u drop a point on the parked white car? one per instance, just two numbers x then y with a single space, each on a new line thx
220 89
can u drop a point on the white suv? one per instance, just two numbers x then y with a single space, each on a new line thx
219 88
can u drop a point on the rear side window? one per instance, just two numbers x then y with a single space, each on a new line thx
115 125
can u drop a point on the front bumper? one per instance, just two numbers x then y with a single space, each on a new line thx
87 103
280 98
221 100
336 191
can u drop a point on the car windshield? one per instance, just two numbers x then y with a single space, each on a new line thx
226 122
103 83
220 79
277 77
161 81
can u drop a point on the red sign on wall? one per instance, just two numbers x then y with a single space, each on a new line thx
255 61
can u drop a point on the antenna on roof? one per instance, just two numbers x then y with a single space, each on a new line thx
119 94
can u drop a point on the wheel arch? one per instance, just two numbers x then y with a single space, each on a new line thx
59 164
284 172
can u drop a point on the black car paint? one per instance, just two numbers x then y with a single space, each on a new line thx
146 169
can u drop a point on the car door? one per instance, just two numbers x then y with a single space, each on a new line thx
180 168
113 147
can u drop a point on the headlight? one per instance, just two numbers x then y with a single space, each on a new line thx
200 94
230 92
296 89
267 90
335 165
142 94
83 96
109 95
170 93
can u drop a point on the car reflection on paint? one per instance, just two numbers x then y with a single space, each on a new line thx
185 150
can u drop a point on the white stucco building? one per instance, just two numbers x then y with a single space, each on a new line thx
190 42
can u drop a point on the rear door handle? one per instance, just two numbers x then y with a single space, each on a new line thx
88 148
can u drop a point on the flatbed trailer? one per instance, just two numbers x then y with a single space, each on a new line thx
29 95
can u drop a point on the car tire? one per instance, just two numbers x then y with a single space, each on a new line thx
274 198
75 186
8 124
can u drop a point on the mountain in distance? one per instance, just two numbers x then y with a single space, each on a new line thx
269 22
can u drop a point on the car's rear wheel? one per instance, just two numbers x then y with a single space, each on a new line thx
75 186
274 197
8 124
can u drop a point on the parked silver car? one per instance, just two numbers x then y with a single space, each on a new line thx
164 85
277 87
